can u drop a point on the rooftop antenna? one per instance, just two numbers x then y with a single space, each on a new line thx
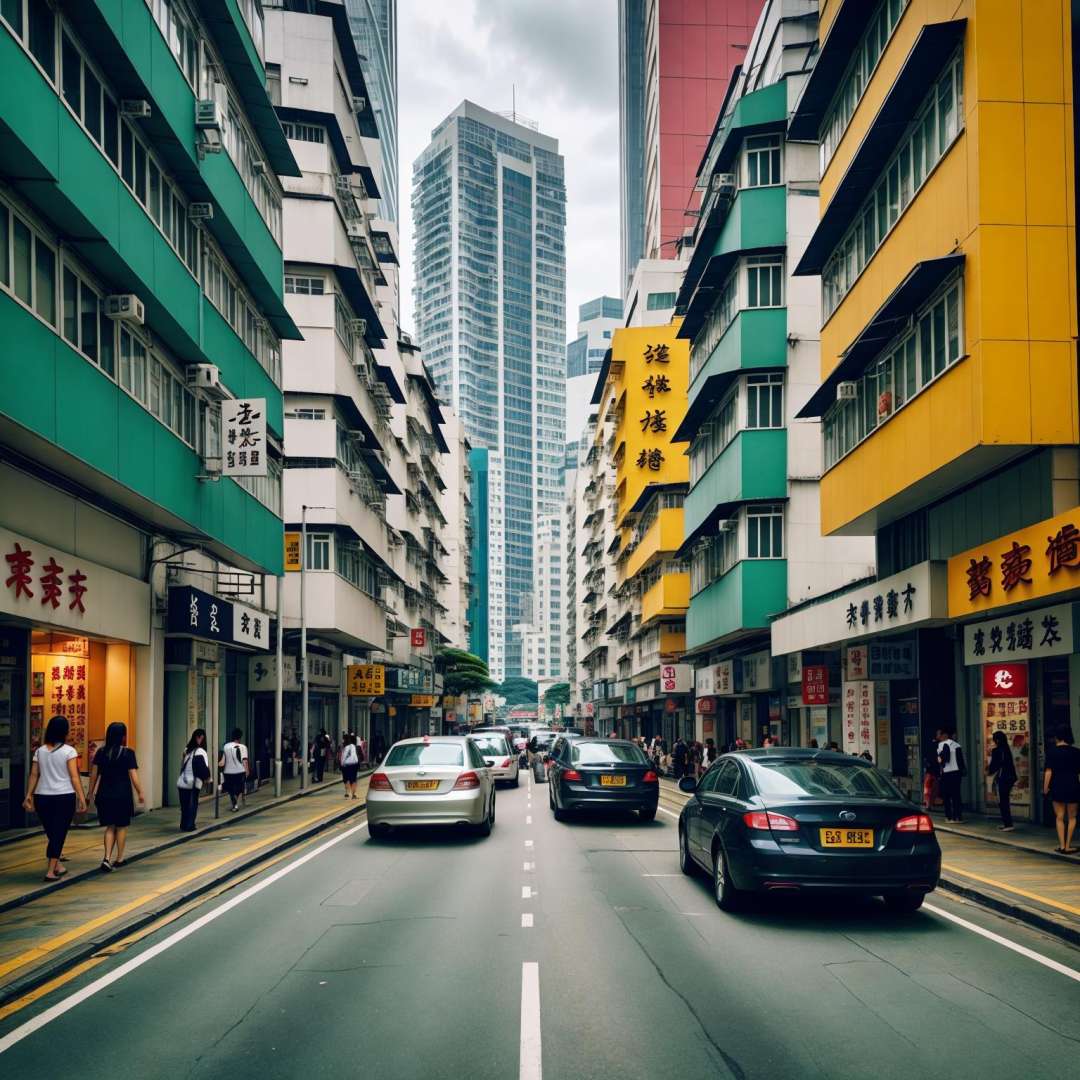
513 100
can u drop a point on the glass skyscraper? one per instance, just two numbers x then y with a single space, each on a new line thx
373 24
489 209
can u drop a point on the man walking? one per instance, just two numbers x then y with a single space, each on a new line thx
951 759
678 758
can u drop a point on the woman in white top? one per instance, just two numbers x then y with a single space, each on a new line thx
55 791
350 765
234 760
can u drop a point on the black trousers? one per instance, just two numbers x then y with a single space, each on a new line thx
56 813
189 807
1004 788
950 794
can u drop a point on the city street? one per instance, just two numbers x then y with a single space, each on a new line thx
556 950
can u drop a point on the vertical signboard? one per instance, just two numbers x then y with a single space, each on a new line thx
243 422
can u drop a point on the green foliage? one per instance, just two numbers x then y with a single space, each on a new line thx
519 691
463 672
559 694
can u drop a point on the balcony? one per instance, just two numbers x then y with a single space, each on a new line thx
752 466
670 597
336 610
755 340
663 536
331 487
741 600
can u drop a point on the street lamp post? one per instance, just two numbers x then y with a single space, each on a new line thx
303 643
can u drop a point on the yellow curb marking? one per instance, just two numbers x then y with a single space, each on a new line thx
1012 889
41 951
49 987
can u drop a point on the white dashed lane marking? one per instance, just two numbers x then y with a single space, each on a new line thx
526 919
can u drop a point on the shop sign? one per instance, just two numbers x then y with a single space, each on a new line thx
676 678
418 637
195 613
728 677
423 701
409 680
1005 680
46 585
1011 716
815 684
819 725
243 422
262 674
855 663
1025 635
323 670
896 659
915 597
706 705
590 708
251 627
705 679
671 705
794 667
366 680
1038 561
292 552
757 671
858 716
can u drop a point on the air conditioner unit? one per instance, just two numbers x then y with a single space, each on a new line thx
343 185
728 525
135 109
358 326
207 115
206 377
847 391
722 184
200 211
125 306
259 166
359 104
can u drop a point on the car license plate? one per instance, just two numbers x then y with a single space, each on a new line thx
612 781
847 838
421 785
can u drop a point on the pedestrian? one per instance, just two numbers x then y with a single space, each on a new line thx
710 752
769 742
932 773
834 746
1061 781
350 765
114 774
1003 769
953 770
234 761
362 750
194 772
678 758
318 754
54 791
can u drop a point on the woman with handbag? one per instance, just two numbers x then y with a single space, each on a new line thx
113 775
1003 769
55 792
194 772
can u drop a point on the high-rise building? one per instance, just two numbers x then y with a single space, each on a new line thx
597 320
675 64
373 24
489 212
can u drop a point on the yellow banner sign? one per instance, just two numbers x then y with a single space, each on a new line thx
366 680
1041 560
292 551
423 701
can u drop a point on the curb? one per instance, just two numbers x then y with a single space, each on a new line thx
85 950
182 838
1074 860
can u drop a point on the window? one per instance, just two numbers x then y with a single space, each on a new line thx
764 281
303 132
659 301
304 285
765 532
762 161
318 551
936 126
307 414
765 401
42 38
712 559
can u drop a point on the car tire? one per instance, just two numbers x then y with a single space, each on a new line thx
379 832
560 815
727 896
648 813
905 903
515 781
551 796
686 860
484 828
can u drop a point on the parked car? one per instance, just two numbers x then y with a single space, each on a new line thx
803 819
601 774
500 759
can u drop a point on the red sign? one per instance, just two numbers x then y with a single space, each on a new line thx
706 705
670 705
815 684
1005 680
418 637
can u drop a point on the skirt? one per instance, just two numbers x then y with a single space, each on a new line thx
115 811
348 773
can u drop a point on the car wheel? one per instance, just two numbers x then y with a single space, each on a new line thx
493 808
904 903
686 860
484 828
560 815
727 896
515 781
648 813
378 832
551 796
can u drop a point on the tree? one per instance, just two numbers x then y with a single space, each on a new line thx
519 691
559 694
463 672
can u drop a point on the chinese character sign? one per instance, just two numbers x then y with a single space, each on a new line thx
366 680
418 637
858 717
1010 716
243 433
1005 680
815 684
1024 635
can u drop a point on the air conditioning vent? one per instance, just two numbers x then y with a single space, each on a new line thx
200 211
359 326
343 185
847 391
359 104
722 184
207 378
258 166
207 115
135 109
126 307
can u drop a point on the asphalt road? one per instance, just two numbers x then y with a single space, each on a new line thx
413 958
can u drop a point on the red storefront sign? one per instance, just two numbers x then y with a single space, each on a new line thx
706 705
1005 680
418 637
815 684
670 705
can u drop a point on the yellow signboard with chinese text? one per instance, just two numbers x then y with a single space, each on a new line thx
366 680
292 551
423 701
1041 560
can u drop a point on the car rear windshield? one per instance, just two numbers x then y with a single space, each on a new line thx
822 778
606 754
425 754
490 744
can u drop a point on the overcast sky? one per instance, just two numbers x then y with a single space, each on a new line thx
561 54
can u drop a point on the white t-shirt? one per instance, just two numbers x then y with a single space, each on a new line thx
53 777
953 764
349 755
187 778
235 753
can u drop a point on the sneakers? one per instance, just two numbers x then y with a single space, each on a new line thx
106 866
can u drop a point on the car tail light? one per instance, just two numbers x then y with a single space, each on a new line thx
467 780
650 778
505 764
915 823
767 821
379 782
571 774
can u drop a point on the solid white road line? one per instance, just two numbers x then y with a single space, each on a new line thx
529 1059
527 867
528 819
528 843
1053 965
661 875
88 991
526 892
526 920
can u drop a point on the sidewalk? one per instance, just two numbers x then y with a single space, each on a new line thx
1017 874
45 929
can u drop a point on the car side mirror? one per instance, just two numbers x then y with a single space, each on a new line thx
688 784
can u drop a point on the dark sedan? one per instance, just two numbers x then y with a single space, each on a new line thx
792 819
604 774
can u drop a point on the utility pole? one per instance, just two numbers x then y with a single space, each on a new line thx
303 653
279 696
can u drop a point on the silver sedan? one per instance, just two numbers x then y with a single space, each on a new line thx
440 780
502 761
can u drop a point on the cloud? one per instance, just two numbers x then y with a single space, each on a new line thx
560 56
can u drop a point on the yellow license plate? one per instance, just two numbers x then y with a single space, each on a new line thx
847 838
421 785
613 781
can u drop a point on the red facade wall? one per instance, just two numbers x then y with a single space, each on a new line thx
700 42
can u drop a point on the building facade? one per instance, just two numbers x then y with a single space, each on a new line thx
489 212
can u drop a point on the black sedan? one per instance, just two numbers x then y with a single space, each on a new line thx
606 774
792 819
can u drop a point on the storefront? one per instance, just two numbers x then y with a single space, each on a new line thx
69 632
662 705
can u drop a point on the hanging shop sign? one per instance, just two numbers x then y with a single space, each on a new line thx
424 701
856 663
418 637
858 716
705 679
728 677
794 668
1041 560
197 614
1012 717
757 671
251 627
706 705
366 680
292 552
243 433
1005 680
1026 635
411 680
815 684
676 678
895 658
